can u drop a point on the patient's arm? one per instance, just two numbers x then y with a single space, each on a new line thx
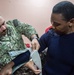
22 58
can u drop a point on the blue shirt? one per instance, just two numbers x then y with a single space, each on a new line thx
60 53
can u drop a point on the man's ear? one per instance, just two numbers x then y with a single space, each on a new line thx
71 22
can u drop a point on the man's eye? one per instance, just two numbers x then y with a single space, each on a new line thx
3 23
56 24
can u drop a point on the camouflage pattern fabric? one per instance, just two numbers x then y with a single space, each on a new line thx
13 39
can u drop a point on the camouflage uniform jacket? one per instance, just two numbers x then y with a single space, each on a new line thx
13 39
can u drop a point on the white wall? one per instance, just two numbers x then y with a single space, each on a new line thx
24 10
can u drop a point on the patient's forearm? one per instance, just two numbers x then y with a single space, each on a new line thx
20 59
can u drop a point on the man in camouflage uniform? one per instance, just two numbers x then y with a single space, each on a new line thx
11 39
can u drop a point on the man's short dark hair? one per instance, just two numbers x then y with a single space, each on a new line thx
65 8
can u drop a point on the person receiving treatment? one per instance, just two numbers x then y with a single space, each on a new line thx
11 40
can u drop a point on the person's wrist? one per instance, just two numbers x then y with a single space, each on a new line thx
35 37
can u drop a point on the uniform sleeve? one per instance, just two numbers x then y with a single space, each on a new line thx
23 28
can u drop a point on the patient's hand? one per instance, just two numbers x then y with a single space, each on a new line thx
7 69
33 67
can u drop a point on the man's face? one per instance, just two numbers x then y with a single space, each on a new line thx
59 24
2 26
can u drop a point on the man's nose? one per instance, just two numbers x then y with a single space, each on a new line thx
53 27
3 27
